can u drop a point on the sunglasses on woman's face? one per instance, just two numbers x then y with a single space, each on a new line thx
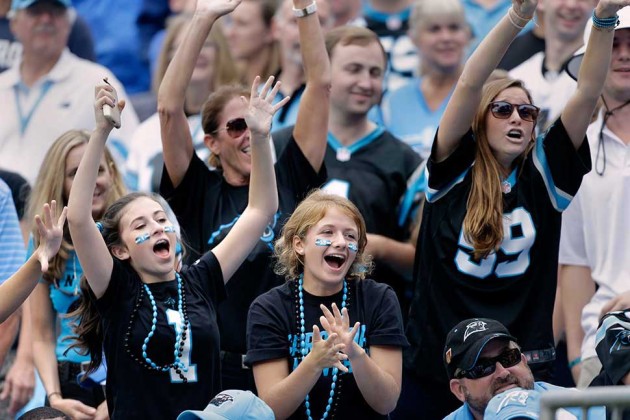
487 366
503 110
235 127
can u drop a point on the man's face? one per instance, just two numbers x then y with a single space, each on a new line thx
357 77
478 392
42 28
618 81
567 18
285 28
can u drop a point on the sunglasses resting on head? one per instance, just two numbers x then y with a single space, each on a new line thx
503 110
487 366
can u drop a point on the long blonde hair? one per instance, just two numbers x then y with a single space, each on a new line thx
225 70
49 186
310 211
483 223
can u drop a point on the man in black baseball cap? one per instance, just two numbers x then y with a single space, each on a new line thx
482 359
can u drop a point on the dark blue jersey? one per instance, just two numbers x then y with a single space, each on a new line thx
516 284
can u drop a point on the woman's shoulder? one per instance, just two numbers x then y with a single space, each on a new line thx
276 295
370 286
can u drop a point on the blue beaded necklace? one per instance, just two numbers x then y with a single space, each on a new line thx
180 333
304 351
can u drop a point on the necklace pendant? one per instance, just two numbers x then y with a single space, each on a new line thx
506 187
343 154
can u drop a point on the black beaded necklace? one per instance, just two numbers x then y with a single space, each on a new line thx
301 356
143 360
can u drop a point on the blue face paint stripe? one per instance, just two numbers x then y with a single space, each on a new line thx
142 238
353 247
323 242
169 229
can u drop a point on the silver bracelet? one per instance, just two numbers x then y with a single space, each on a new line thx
308 10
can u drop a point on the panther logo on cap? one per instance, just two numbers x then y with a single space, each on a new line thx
474 327
221 398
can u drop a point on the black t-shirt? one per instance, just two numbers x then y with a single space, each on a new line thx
517 284
375 179
135 392
521 49
207 207
272 327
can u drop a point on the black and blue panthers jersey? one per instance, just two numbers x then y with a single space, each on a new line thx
516 284
207 207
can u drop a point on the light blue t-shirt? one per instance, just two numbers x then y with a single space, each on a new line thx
407 116
594 413
64 295
11 243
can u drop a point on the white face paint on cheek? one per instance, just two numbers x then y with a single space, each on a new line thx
353 247
169 229
142 238
323 242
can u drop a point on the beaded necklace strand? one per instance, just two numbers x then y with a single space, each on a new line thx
180 333
304 351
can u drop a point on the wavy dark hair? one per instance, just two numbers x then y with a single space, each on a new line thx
88 328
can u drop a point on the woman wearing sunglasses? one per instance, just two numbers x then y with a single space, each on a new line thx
489 242
208 203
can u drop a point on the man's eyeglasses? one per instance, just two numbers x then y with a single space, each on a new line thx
487 366
503 110
235 127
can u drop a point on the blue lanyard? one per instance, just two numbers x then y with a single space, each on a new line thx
26 119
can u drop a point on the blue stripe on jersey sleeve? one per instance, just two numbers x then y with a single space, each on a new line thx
416 186
559 199
434 195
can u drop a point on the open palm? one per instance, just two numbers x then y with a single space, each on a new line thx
50 229
338 322
261 109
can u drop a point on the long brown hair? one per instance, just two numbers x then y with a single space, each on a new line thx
310 211
483 223
49 186
88 329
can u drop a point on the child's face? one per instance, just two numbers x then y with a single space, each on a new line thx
148 237
329 248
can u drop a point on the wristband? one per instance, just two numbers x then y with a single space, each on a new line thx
517 20
308 10
608 23
54 393
574 362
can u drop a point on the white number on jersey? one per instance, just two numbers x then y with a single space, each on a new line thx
175 320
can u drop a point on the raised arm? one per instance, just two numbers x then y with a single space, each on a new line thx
17 287
578 111
311 127
462 107
88 242
263 193
177 142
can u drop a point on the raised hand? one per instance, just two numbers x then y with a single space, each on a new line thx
216 8
50 229
338 323
261 109
524 8
103 95
327 353
608 8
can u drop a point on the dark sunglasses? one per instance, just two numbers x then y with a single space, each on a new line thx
503 110
235 128
485 367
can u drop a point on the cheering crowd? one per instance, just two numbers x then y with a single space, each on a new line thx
319 209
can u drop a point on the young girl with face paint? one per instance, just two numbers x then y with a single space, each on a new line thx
309 361
145 315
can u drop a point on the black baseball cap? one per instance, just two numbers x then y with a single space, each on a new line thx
467 339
